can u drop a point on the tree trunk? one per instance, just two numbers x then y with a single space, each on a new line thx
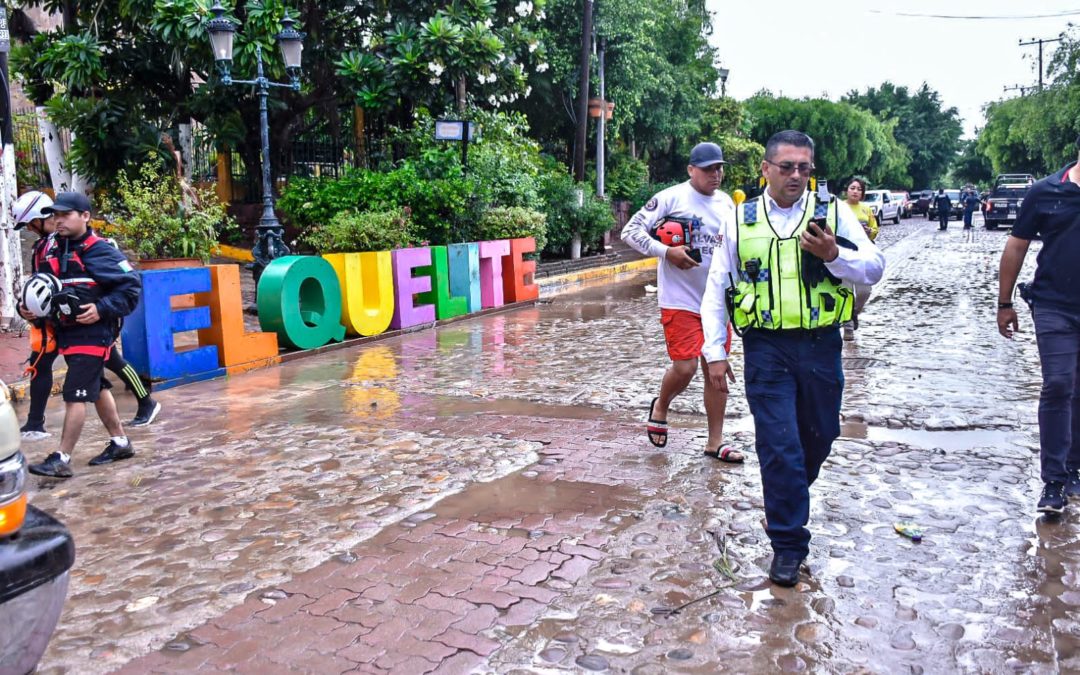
54 151
459 94
583 94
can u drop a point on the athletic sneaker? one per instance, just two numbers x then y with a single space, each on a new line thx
34 432
113 453
1072 486
1053 498
53 467
147 413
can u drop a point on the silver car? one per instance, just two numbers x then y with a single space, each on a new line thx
36 554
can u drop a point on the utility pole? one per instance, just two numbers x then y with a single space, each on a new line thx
583 92
602 44
1040 42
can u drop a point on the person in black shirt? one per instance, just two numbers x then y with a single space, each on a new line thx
944 208
99 288
1051 210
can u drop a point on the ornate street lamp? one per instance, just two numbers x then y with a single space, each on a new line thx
269 242
723 81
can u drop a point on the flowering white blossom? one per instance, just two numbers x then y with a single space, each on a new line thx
542 15
541 67
494 101
481 78
488 23
533 46
491 78
365 39
500 58
528 91
524 8
436 68
388 18
510 19
435 80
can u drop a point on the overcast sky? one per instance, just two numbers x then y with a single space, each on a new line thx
781 45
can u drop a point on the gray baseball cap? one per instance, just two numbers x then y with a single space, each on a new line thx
706 154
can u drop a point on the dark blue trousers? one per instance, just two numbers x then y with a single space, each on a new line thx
794 384
1057 330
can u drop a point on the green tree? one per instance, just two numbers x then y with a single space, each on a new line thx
1036 133
972 166
659 72
922 124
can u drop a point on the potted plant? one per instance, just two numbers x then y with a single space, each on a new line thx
162 220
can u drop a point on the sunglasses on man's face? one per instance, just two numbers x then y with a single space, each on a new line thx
788 168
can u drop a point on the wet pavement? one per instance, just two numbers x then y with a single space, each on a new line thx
482 498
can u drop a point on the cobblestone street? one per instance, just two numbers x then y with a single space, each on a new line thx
482 498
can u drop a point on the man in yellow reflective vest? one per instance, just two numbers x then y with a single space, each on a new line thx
790 271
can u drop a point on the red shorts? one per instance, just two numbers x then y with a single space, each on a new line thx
684 335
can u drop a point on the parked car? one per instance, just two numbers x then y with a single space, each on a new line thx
921 202
883 205
36 553
956 212
904 203
1004 200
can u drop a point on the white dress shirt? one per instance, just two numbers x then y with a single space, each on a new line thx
862 266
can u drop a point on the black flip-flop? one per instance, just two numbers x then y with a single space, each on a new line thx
657 428
724 454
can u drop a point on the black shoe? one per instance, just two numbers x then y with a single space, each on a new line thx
147 413
784 570
113 453
33 432
1072 486
1053 498
53 467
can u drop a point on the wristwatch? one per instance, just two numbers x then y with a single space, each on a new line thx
1005 305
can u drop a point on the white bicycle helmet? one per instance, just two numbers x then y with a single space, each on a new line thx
28 207
37 293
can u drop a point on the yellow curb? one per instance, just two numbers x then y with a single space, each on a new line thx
233 253
597 273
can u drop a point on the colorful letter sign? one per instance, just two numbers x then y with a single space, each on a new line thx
367 283
306 302
299 298
407 312
148 332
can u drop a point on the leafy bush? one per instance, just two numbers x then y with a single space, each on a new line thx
564 216
625 176
439 206
157 216
511 222
356 232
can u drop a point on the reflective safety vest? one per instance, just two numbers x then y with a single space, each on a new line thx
771 290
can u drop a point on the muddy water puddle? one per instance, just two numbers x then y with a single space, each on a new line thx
949 440
521 494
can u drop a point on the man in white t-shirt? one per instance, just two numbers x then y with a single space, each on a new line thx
681 278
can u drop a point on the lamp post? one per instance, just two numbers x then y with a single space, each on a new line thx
269 242
723 81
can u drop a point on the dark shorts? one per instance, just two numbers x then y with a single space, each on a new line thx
85 378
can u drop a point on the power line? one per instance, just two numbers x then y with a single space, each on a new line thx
975 17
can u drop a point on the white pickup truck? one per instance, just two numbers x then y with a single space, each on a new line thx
884 206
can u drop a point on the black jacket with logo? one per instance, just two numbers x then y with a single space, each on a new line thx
98 273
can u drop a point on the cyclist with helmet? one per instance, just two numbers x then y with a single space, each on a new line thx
100 287
27 212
